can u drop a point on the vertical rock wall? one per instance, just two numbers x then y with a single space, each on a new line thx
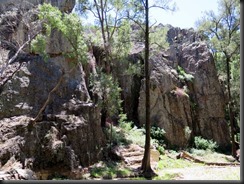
204 110
69 134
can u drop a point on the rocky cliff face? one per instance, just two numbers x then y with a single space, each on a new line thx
63 5
203 111
69 135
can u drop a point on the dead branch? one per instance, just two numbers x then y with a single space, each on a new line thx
4 80
13 59
187 156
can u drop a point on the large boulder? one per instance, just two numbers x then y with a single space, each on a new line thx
69 133
199 113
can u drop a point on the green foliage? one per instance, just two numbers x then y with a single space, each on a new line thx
38 45
124 123
222 33
134 69
69 25
108 91
235 86
110 18
136 136
132 133
183 75
204 144
157 135
158 38
238 137
118 137
122 42
93 34
165 163
110 170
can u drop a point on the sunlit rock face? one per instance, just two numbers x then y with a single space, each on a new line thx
201 111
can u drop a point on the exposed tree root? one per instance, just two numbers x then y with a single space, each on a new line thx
187 156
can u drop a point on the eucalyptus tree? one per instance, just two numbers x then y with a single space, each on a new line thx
110 15
145 7
223 33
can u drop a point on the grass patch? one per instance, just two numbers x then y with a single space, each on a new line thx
110 170
167 163
209 156
136 136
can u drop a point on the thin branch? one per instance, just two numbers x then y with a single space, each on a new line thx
144 4
3 82
152 25
94 14
20 49
161 7
12 59
138 23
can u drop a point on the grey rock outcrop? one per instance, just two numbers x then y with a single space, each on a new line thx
64 5
68 136
202 113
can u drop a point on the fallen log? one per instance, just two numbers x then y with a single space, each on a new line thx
187 156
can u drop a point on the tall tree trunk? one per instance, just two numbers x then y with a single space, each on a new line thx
231 115
146 165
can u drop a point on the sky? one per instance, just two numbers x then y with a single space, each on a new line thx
189 11
186 15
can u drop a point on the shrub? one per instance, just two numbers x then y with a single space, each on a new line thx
124 123
205 144
116 138
157 135
183 75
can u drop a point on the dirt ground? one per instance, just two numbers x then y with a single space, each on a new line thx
207 173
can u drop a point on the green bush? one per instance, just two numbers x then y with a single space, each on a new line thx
118 137
157 135
124 123
205 144
183 75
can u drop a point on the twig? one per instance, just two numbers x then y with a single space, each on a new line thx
3 82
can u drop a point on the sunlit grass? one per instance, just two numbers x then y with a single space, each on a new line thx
166 162
110 171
